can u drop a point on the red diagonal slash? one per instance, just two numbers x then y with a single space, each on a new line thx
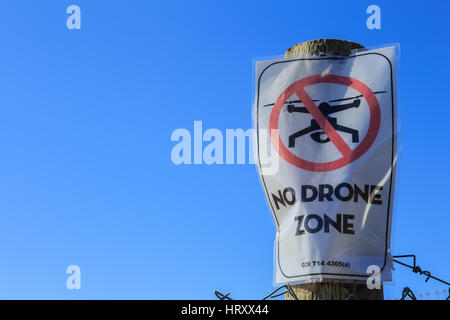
323 123
348 155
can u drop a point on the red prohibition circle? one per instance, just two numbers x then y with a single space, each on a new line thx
348 155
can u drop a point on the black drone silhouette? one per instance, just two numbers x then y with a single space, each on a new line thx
326 110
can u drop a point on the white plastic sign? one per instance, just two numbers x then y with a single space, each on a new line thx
331 124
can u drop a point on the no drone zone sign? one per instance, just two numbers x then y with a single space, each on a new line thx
330 126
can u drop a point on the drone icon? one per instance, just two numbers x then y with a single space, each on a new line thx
326 110
316 131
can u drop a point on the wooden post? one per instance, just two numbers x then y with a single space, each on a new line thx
330 289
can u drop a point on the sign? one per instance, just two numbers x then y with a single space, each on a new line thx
331 125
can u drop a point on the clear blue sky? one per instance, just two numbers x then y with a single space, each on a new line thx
86 117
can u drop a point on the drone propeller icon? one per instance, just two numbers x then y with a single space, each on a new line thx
326 109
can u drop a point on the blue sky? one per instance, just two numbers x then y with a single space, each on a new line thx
86 117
